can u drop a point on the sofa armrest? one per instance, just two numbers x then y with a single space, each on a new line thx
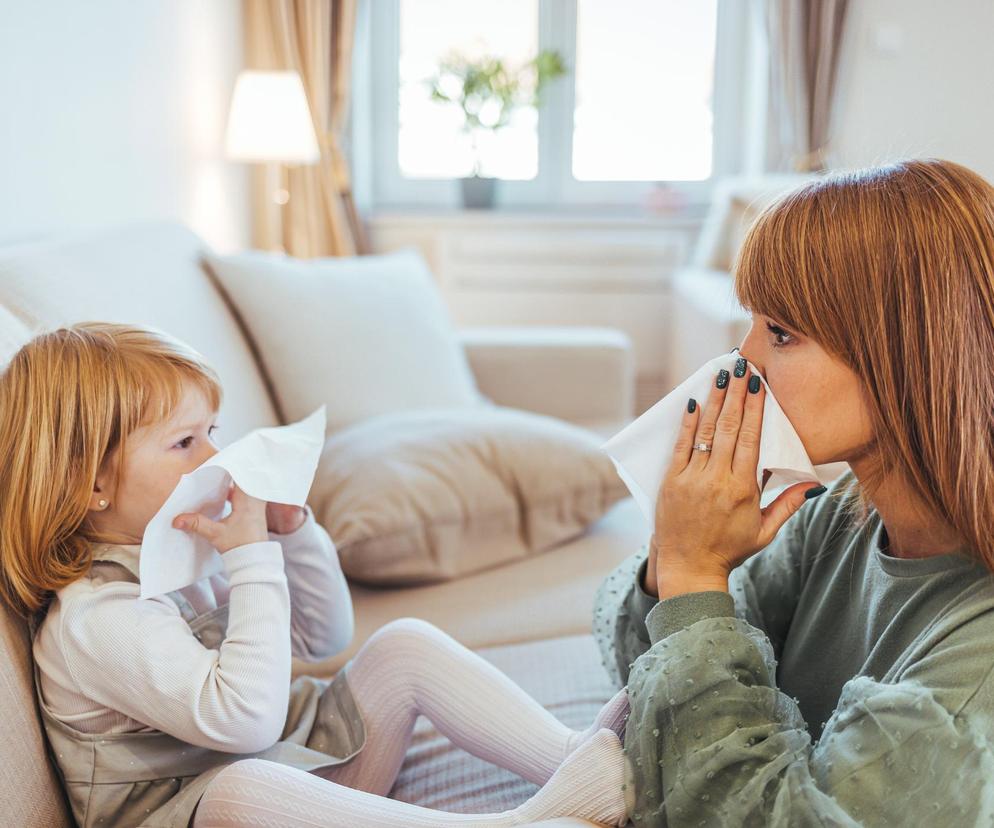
582 375
707 319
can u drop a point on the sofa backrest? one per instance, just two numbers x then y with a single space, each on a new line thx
145 273
149 273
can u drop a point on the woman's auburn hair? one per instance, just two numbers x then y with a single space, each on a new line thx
69 400
890 269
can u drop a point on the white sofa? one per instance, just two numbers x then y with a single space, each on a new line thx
532 618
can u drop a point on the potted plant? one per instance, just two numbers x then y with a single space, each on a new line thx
488 91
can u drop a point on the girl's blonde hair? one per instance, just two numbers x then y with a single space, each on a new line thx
890 269
69 399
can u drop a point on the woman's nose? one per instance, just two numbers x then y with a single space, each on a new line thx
743 351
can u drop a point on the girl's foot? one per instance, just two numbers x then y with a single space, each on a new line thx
613 716
589 784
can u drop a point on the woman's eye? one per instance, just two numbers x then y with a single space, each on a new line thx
777 331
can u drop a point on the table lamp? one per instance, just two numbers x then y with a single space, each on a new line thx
270 123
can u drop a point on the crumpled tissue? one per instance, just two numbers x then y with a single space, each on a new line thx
642 451
276 464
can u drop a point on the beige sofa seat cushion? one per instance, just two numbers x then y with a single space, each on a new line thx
563 674
419 497
545 596
149 274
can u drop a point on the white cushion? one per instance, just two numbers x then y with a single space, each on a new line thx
13 335
367 335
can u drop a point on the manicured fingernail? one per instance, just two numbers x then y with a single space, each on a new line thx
722 380
691 405
740 367
817 490
754 384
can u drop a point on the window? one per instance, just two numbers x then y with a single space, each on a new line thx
651 96
644 83
431 141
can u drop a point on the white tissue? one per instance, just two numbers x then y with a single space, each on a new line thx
643 450
275 464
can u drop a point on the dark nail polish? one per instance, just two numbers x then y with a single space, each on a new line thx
754 384
817 490
691 405
722 380
740 367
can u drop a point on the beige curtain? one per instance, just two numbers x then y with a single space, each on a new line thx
313 38
805 38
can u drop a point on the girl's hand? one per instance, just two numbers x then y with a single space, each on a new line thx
708 519
282 518
245 524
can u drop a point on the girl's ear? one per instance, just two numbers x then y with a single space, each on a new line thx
102 485
98 500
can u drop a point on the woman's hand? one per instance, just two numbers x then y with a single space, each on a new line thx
708 519
245 524
283 518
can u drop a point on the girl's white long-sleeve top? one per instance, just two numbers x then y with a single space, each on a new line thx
111 662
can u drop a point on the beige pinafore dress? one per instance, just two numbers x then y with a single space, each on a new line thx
156 780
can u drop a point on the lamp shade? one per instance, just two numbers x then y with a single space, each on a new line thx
269 120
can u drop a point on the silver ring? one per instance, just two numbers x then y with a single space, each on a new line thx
702 447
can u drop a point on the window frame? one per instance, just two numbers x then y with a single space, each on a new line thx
554 185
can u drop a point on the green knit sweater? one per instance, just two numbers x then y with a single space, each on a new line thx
833 685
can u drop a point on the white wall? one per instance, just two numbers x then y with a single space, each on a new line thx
916 79
114 111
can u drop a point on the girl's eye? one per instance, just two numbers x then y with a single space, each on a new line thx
185 442
777 331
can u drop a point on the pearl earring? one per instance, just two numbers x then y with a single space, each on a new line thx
102 503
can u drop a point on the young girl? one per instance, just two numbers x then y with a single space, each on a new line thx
179 709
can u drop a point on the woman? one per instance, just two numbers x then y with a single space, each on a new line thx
831 664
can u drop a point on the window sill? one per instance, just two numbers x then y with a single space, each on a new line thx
690 214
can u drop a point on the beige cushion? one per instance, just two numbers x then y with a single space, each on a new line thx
366 336
426 496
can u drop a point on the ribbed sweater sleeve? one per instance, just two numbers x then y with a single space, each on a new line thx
322 621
